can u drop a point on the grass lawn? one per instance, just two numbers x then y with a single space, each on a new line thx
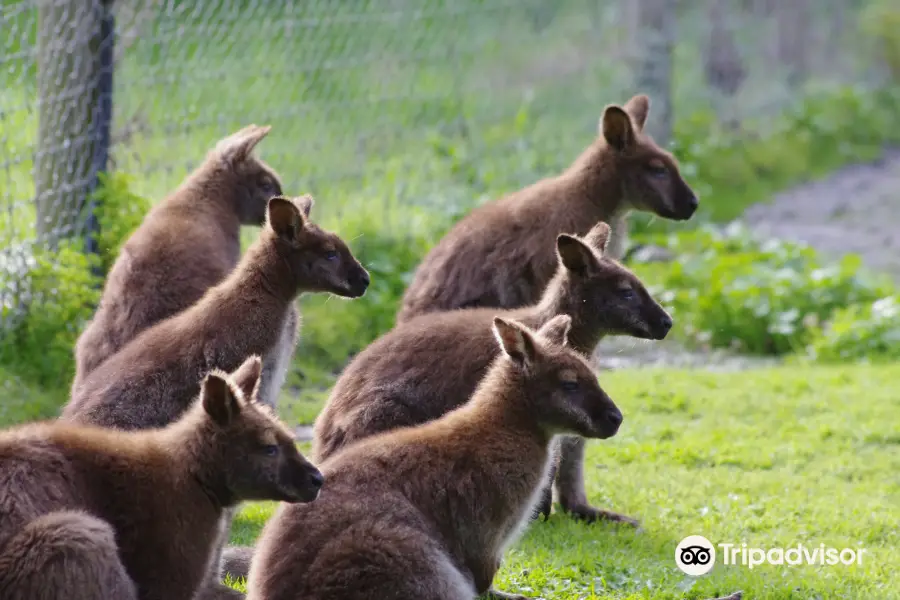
770 458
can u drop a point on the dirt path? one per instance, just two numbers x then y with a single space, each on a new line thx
856 209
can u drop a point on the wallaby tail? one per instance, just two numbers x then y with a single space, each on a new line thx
64 556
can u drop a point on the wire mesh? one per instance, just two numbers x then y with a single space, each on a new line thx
364 95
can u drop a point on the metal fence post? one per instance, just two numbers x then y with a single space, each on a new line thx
70 40
102 117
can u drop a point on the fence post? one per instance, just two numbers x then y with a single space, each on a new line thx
102 119
656 31
70 41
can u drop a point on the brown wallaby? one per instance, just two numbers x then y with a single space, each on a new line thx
185 245
427 512
153 379
497 256
429 365
93 513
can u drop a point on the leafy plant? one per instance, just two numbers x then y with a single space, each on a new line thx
119 211
55 291
728 288
59 294
869 331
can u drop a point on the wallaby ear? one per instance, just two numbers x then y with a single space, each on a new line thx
556 330
617 128
638 107
219 400
238 146
285 218
575 255
246 377
515 341
598 237
305 204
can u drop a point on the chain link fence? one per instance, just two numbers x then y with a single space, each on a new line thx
363 96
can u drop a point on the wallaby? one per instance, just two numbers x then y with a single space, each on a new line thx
153 379
429 365
497 256
185 245
93 513
427 512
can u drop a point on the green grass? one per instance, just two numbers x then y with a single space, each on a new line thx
770 458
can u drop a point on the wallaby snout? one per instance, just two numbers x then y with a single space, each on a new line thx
358 281
660 325
685 203
299 480
605 416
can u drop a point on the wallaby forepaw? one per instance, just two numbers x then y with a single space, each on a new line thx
586 512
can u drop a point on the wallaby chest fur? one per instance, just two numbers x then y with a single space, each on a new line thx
498 254
427 512
186 244
154 378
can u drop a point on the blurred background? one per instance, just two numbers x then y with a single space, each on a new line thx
400 116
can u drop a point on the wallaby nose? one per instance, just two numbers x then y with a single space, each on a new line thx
694 202
665 323
615 418
316 479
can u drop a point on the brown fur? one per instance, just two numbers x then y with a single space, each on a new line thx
428 366
185 245
427 512
89 512
153 379
497 256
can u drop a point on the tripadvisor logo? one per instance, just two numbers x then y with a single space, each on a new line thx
696 555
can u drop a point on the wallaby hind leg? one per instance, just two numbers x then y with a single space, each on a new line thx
64 556
570 485
236 561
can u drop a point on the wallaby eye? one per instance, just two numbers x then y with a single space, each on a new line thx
268 186
570 386
627 294
657 169
331 255
270 450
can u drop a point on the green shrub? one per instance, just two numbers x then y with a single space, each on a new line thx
55 292
59 292
869 331
729 289
119 211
